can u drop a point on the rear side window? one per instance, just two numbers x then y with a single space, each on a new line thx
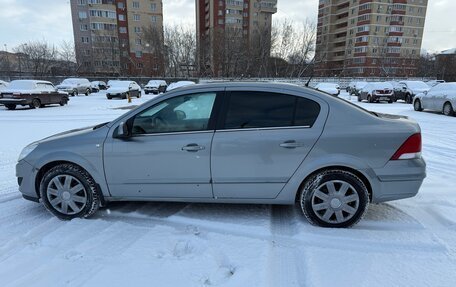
263 110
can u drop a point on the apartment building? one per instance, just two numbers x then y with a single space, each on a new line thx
110 36
369 37
220 22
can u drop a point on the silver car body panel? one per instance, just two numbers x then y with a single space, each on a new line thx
237 166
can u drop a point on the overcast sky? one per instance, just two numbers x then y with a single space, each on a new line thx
27 20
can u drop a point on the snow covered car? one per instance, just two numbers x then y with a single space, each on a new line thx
434 83
179 84
97 86
357 87
441 98
123 89
3 85
376 92
330 88
155 87
75 86
35 94
257 143
407 90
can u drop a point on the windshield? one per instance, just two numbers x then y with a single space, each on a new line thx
22 85
119 84
69 82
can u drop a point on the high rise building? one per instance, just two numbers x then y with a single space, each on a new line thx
369 37
228 26
118 37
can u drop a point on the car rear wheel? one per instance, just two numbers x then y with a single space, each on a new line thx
87 92
10 106
138 95
408 99
448 109
68 192
36 103
334 198
74 93
417 106
369 99
359 99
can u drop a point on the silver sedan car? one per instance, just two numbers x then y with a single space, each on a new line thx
258 143
441 98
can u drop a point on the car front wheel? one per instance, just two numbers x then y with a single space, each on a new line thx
417 106
68 192
10 106
36 103
448 109
334 198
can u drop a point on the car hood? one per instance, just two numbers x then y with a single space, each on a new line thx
21 91
116 90
72 133
421 90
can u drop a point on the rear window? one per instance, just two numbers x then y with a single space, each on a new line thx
263 110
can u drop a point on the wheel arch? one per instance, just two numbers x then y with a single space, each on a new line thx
356 172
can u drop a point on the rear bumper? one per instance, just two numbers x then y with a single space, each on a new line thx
26 175
398 179
14 101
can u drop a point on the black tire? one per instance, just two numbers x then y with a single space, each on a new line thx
310 187
109 97
126 96
74 93
359 99
63 101
93 201
146 93
138 95
447 109
10 106
390 101
87 92
408 99
417 105
369 99
36 103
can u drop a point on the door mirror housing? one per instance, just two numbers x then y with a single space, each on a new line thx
122 131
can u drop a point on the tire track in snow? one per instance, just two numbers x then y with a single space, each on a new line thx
287 264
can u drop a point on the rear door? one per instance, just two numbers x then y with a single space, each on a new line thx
261 139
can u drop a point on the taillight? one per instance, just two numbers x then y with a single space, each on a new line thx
410 149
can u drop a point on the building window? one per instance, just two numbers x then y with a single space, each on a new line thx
122 30
136 17
82 15
136 4
138 41
121 5
84 27
82 2
137 29
153 7
85 39
153 19
121 17
138 54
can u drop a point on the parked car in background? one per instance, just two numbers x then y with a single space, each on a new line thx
75 86
35 94
441 98
330 88
376 92
3 85
407 90
357 87
179 84
272 144
433 83
123 89
98 86
155 87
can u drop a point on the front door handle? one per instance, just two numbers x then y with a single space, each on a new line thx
291 144
193 147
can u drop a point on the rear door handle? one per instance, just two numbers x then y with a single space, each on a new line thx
291 144
193 147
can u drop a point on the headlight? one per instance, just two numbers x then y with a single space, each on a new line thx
27 150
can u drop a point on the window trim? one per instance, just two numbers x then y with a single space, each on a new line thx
220 126
219 95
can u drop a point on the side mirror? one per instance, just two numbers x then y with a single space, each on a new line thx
425 92
122 131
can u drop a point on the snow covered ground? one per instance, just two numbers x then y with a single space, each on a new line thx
405 243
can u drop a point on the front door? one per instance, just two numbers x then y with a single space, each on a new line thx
168 154
262 140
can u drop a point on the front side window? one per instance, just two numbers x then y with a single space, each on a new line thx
180 114
264 110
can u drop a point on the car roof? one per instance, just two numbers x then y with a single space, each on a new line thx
33 81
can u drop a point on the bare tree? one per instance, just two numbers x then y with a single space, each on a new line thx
40 56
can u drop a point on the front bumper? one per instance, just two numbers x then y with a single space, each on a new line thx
117 95
26 175
398 179
151 90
